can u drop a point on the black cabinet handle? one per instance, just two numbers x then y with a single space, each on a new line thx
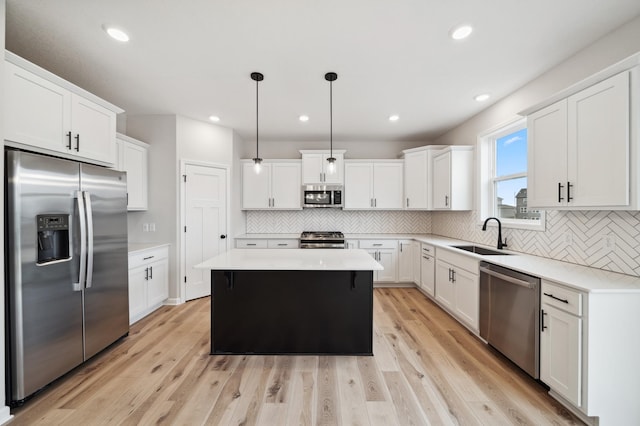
146 272
453 275
150 272
147 258
69 140
560 192
353 280
77 142
569 197
557 298
229 276
542 326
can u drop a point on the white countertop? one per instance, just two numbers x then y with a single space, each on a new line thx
268 237
134 247
580 277
292 260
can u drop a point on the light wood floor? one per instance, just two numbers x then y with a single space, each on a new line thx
427 369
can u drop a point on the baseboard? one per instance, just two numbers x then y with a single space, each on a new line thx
591 421
393 285
5 415
172 301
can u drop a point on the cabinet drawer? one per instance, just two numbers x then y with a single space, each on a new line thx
378 244
561 297
428 250
144 257
459 260
252 244
283 244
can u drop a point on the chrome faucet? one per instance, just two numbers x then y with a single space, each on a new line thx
500 243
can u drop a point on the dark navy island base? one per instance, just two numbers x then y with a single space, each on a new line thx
292 312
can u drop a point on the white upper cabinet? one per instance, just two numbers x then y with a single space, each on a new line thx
373 185
452 178
418 177
315 167
583 148
133 158
276 187
55 117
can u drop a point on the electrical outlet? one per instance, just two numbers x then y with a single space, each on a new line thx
568 238
609 242
145 227
152 227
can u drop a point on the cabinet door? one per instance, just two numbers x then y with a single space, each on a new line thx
337 177
547 156
285 186
388 258
118 155
417 260
387 186
37 112
351 244
598 144
358 185
312 168
256 187
415 180
135 164
444 287
466 288
137 293
561 353
94 130
374 255
427 274
158 283
442 181
405 261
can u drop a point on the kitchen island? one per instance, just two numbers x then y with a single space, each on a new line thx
267 301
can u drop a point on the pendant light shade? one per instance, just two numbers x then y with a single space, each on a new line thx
331 77
257 161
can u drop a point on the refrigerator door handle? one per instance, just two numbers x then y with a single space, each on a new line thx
87 199
77 286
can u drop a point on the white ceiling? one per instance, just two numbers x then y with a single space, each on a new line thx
194 57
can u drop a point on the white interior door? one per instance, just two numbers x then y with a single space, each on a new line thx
205 224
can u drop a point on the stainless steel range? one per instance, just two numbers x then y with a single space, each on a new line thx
321 239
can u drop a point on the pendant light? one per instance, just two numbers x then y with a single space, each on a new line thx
331 77
257 161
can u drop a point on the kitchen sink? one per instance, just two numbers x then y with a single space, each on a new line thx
481 250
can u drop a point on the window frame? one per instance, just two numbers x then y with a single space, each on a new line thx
487 197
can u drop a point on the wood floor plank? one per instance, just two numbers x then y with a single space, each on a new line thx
426 369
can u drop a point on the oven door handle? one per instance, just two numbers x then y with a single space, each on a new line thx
507 278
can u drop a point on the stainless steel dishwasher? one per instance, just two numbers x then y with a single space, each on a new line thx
510 315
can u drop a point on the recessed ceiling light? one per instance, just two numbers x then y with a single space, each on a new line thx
483 97
117 33
394 117
303 118
214 118
461 32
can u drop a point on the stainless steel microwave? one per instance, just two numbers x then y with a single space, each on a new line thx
322 196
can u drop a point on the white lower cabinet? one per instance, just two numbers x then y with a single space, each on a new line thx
417 261
457 286
427 269
405 261
273 243
386 253
148 281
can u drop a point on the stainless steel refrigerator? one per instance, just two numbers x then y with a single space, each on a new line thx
66 267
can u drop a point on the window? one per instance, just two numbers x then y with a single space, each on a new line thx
503 177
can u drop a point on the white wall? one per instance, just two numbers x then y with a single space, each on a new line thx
610 49
159 131
4 411
355 149
172 139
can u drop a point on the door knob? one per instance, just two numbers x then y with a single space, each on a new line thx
223 236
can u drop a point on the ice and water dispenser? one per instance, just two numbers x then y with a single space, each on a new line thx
53 238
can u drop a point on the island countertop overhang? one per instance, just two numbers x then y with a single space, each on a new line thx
292 260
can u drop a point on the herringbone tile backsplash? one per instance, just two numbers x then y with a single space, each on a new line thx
601 239
349 222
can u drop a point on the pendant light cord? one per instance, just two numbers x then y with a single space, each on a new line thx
331 119
257 155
